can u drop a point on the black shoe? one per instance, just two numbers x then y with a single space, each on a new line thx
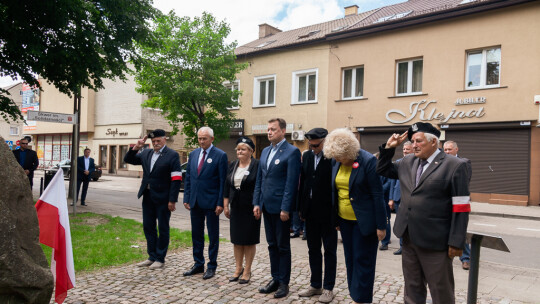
194 270
283 291
244 281
234 279
83 204
294 235
304 237
210 272
270 287
383 247
398 252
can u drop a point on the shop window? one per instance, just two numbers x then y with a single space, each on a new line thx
409 77
353 83
234 86
483 68
304 86
264 91
123 152
103 156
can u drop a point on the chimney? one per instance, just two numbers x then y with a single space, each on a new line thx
351 10
266 30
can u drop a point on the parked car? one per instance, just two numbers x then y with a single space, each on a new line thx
66 167
183 167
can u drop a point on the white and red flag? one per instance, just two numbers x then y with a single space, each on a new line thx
54 232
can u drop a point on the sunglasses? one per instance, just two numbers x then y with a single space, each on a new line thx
316 145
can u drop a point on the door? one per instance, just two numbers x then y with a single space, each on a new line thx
113 160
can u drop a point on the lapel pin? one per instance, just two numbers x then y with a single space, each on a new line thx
209 160
276 162
355 165
246 172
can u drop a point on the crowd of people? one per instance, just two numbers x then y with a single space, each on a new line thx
335 186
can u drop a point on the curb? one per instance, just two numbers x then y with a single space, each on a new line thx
506 215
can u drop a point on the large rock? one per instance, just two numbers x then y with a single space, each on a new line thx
25 276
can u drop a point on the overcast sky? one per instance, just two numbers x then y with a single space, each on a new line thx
244 16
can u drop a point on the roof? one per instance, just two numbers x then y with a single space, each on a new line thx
389 17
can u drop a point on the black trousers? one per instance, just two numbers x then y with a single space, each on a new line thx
84 183
156 245
279 246
326 235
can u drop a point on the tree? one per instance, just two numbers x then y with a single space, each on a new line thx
183 69
70 43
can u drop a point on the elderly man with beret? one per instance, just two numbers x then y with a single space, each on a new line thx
434 212
159 188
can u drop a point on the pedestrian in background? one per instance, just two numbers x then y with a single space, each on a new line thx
27 158
85 168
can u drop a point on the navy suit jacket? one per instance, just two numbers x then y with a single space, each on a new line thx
206 189
277 185
31 161
80 168
365 193
165 178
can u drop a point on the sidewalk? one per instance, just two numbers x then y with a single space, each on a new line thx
519 212
130 284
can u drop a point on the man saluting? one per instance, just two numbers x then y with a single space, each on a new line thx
159 188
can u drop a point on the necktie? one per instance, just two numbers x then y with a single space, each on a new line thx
420 169
201 162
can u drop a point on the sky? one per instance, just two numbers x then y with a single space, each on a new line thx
244 16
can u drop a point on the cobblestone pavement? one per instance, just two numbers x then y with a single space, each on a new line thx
131 284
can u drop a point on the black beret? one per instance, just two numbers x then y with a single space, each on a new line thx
156 133
247 141
316 133
425 127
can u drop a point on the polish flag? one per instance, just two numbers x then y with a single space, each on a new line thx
54 232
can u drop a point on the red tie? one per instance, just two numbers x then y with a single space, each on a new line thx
201 162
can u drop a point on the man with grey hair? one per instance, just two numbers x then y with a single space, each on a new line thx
206 172
434 212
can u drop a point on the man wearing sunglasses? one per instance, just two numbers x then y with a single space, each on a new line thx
27 158
315 208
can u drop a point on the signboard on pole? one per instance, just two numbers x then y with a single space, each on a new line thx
52 117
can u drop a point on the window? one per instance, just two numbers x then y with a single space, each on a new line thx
234 86
353 83
304 87
483 68
264 91
13 130
409 77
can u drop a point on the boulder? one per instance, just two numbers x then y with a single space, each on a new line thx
25 276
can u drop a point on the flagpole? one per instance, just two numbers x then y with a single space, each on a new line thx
75 149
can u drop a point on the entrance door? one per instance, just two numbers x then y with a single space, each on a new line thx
113 163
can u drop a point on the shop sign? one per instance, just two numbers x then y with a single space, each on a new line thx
467 101
237 127
426 111
115 132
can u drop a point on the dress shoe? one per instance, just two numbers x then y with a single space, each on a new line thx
311 291
304 237
466 265
145 263
156 265
234 279
282 291
194 270
83 204
244 281
270 287
383 247
398 252
210 272
327 296
294 235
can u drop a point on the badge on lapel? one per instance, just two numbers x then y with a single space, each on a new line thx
355 165
209 160
246 172
276 162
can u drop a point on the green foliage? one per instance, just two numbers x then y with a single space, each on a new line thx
71 43
102 241
183 68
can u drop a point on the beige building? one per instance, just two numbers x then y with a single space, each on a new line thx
469 67
12 131
112 120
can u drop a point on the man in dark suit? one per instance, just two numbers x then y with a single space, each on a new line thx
85 167
275 197
159 187
316 209
451 147
206 172
433 215
27 159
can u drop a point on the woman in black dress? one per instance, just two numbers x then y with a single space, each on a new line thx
245 229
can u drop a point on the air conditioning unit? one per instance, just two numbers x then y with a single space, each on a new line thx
297 135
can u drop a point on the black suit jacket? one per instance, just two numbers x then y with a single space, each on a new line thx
31 161
316 184
244 195
165 178
80 168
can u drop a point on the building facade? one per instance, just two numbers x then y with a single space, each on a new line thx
11 131
468 67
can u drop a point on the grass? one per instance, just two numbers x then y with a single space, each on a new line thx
103 241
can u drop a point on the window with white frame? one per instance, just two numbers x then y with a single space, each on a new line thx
353 83
234 86
13 130
304 86
409 77
483 68
264 91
